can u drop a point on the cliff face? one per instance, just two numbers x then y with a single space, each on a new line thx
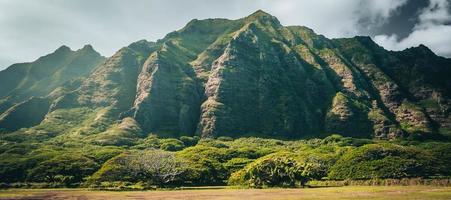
253 76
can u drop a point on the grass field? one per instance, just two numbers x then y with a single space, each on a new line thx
349 192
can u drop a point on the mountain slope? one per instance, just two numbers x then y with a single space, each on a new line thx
20 82
253 76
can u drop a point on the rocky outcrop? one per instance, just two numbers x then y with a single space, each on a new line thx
168 94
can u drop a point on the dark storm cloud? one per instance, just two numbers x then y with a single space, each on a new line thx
432 28
31 28
403 20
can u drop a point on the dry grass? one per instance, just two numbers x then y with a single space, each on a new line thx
349 192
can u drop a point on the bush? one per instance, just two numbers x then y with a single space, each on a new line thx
383 161
115 169
321 159
102 154
442 153
282 169
171 145
189 141
153 167
12 168
236 164
204 165
64 169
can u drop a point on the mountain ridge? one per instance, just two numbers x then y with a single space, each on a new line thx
253 76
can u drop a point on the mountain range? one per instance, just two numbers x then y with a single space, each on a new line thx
218 77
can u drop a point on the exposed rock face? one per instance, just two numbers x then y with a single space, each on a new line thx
168 95
253 76
267 77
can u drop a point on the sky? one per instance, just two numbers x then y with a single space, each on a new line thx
33 28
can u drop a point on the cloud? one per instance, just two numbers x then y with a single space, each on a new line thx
334 19
433 30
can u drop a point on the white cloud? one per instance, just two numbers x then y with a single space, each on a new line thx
432 30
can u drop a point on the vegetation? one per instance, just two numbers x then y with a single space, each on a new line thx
245 162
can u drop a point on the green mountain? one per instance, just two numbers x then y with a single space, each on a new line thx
27 89
220 77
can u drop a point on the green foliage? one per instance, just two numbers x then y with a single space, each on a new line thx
383 161
236 164
154 167
247 162
441 153
115 169
204 164
63 169
189 141
171 145
346 141
102 154
279 169
167 144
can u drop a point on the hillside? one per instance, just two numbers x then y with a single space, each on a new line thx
27 89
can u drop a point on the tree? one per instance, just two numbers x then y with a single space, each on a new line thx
64 169
155 166
282 169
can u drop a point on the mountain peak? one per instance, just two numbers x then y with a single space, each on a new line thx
87 47
63 48
420 50
260 13
424 48
263 17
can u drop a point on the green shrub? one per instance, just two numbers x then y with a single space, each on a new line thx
102 154
189 141
282 169
442 154
383 161
12 167
204 165
236 164
225 138
65 169
153 167
115 169
151 141
171 145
